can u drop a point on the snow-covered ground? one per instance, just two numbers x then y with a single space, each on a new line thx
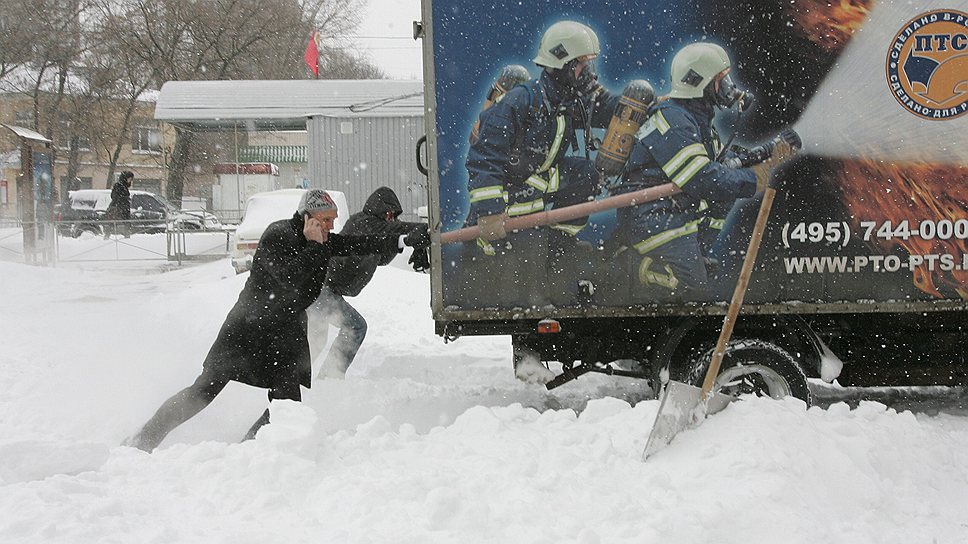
422 442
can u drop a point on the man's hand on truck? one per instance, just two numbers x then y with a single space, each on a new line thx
418 238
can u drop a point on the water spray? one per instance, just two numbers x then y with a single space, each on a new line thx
855 113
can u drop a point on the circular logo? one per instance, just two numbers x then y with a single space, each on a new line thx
927 65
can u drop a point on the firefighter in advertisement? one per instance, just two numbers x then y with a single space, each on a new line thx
661 247
524 158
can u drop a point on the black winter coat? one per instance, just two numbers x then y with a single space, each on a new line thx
120 206
263 340
348 276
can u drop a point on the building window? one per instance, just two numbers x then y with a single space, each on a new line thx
25 119
66 133
147 139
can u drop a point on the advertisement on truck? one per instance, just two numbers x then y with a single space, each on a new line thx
857 110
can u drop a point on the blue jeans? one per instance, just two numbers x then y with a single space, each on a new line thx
352 328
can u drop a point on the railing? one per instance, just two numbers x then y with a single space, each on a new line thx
228 217
104 241
185 244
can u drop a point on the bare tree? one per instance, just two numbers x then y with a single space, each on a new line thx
44 41
16 22
220 39
88 64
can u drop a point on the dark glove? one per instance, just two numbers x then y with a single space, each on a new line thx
420 260
419 238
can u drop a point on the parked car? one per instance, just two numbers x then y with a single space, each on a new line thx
152 212
74 218
261 209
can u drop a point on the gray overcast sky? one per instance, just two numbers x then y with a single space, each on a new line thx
386 36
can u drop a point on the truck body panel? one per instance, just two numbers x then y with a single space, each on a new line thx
855 237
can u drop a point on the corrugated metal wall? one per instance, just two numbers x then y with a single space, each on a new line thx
357 155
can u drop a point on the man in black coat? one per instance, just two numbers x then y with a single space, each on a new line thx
120 207
263 341
347 276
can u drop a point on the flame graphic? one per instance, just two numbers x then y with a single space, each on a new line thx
830 23
887 192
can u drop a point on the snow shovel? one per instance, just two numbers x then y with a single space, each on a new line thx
685 405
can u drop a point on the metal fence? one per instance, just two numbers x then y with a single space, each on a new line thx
228 217
52 243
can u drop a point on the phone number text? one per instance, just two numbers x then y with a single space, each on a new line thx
839 233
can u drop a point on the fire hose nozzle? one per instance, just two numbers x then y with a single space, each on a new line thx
791 137
749 157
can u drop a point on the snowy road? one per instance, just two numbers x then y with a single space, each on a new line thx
423 442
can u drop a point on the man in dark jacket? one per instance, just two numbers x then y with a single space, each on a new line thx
120 207
263 341
347 276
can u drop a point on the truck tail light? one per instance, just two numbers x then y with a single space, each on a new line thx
549 326
247 245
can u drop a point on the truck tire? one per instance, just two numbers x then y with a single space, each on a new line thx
757 367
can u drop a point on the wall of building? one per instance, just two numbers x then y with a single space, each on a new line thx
94 162
356 155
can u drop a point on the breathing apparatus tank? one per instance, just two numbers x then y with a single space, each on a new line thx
511 75
629 115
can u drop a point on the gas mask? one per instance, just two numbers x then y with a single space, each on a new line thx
587 82
727 94
584 83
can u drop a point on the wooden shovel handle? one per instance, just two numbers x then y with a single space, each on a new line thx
739 292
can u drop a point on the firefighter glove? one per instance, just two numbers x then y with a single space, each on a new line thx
492 227
762 171
782 151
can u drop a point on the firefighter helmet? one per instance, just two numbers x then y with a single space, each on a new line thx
694 67
565 41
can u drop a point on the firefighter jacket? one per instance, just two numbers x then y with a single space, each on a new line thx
678 144
523 139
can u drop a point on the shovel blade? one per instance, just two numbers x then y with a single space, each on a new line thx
682 407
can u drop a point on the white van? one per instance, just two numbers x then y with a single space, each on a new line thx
261 209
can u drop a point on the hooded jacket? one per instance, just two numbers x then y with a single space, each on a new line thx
348 276
263 340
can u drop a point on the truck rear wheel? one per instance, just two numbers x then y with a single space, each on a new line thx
757 367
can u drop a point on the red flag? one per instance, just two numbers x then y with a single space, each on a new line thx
312 53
